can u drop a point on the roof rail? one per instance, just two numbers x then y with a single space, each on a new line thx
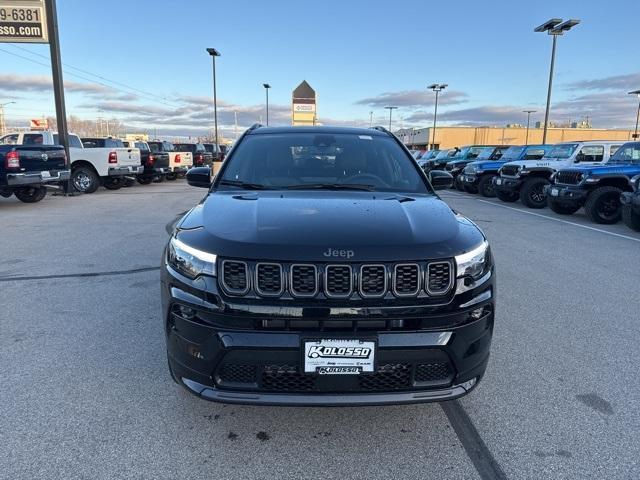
382 129
254 126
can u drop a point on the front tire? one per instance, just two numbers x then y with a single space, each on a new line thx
562 209
485 186
85 180
458 184
31 194
509 197
532 194
603 205
630 218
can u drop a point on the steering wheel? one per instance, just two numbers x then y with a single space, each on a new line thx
363 177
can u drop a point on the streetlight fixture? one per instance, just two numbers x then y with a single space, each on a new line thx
636 93
215 53
390 112
554 27
528 112
266 89
437 88
2 122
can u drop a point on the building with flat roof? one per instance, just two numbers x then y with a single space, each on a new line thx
449 137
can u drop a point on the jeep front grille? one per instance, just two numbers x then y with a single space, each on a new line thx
336 281
568 177
509 170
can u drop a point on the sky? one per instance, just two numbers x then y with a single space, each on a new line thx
144 62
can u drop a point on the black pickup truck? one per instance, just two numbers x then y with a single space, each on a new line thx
25 170
201 157
156 164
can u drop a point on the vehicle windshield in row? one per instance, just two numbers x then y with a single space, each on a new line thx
563 150
627 154
323 161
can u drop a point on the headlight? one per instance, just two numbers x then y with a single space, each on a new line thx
190 261
635 183
474 264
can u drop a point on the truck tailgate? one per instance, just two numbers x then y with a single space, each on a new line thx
38 158
127 156
186 159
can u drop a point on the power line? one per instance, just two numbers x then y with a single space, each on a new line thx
82 77
96 75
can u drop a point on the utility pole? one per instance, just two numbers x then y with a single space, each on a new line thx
528 112
437 88
391 109
3 125
370 119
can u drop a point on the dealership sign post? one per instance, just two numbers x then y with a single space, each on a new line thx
36 21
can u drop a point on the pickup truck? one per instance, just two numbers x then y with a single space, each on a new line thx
526 179
99 161
201 157
156 165
631 205
477 176
597 188
179 162
26 170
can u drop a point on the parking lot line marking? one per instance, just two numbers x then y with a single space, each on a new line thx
483 460
551 218
79 275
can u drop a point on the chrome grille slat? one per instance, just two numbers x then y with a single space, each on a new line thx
235 277
338 281
439 277
269 279
303 280
406 279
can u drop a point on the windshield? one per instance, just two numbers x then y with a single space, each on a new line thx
563 150
512 153
484 154
628 153
319 160
444 154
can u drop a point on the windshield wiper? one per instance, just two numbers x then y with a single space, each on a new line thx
331 186
241 184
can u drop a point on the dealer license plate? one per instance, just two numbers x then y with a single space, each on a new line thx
45 174
331 356
498 181
554 192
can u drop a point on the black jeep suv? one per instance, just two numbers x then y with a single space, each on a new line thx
321 268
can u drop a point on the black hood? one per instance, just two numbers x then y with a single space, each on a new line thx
270 225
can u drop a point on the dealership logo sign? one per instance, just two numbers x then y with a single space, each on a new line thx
320 351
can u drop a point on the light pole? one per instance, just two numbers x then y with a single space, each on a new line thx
636 93
554 27
215 53
266 89
528 112
2 121
436 87
390 112
370 119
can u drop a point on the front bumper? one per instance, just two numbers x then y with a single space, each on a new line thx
220 349
507 184
632 199
567 195
37 178
122 171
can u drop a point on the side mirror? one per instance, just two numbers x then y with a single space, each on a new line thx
440 179
580 157
199 177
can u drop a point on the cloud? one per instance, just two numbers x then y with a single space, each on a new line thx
414 98
623 83
41 83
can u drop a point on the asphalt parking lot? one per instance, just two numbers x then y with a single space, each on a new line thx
85 391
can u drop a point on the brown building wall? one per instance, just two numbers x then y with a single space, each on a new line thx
449 137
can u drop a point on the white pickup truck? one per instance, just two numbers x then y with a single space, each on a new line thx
179 162
94 161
